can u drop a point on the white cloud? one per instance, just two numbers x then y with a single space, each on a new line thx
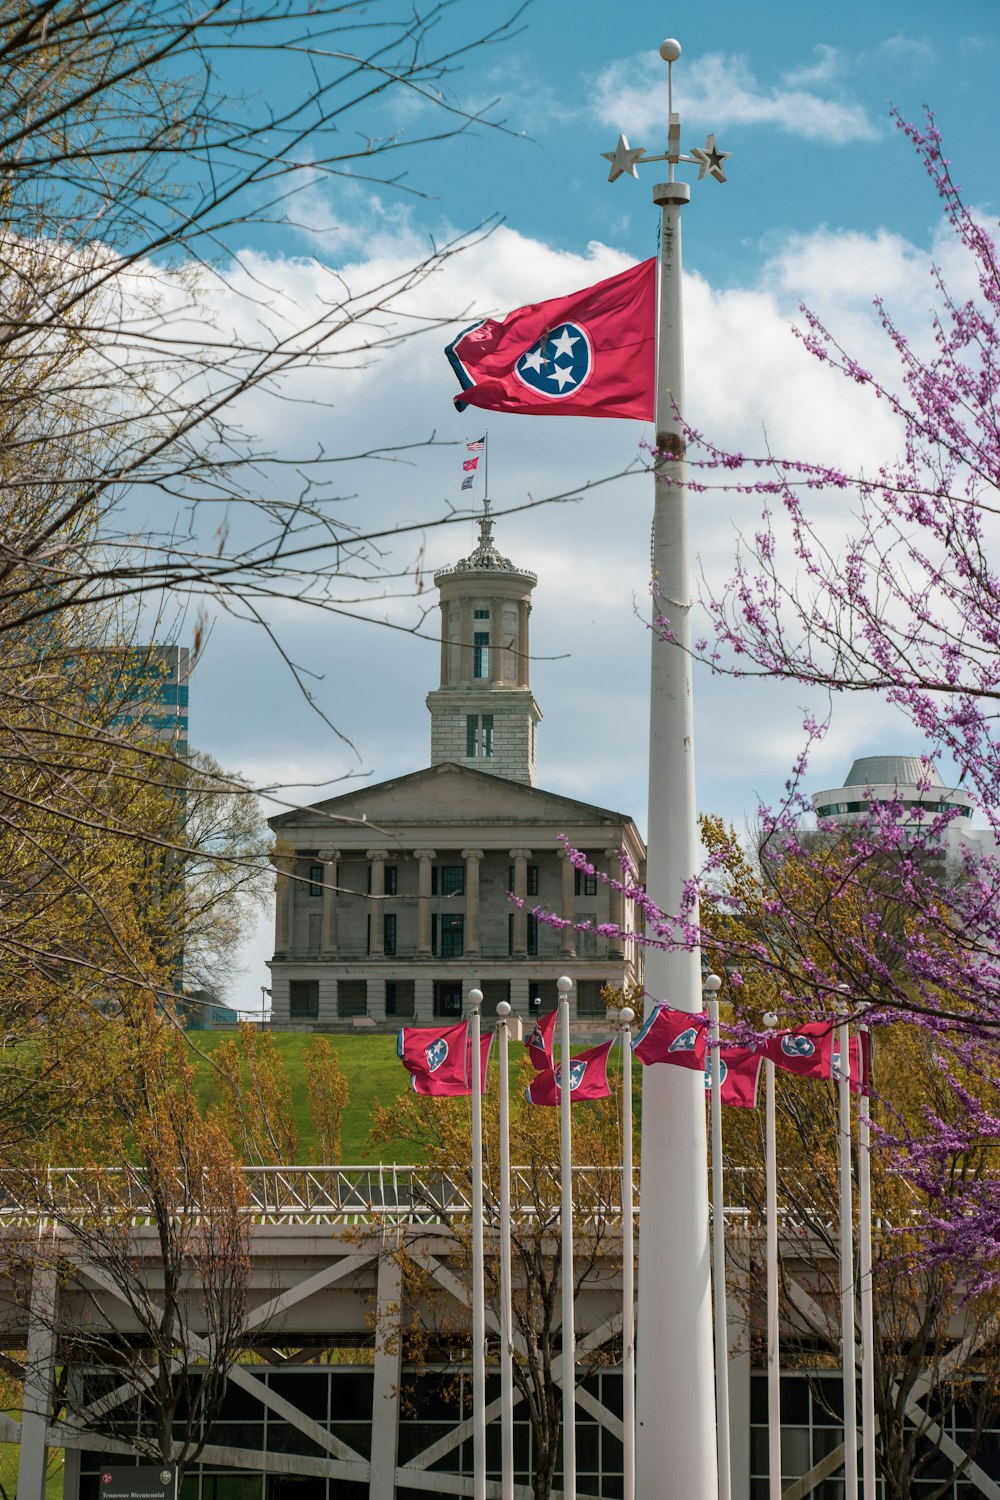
747 375
719 89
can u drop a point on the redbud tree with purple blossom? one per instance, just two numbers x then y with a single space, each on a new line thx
905 607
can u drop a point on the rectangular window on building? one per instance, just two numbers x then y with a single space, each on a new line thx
532 880
584 885
315 880
389 934
510 933
352 997
532 934
471 736
452 935
480 614
390 877
434 932
589 1000
487 734
303 999
448 880
447 997
399 997
481 653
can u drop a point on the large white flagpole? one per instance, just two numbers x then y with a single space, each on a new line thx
565 986
771 1219
506 1311
847 1270
478 1268
712 986
625 1018
869 1479
674 1353
675 1396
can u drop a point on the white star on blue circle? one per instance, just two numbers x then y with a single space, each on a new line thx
558 364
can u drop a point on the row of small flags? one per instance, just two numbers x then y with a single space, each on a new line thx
470 465
439 1059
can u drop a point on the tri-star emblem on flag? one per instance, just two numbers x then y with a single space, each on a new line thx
591 354
557 364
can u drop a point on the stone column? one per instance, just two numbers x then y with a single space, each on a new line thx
284 865
520 858
425 856
616 904
444 643
523 610
472 858
567 936
328 942
466 632
376 906
496 640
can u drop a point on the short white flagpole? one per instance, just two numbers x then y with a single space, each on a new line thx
847 1270
773 1340
625 1018
869 1480
711 987
506 1300
478 1269
565 986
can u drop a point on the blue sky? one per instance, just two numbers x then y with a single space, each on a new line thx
826 203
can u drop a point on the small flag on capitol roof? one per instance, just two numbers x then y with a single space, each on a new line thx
591 354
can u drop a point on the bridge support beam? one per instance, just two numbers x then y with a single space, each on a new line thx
388 1373
38 1382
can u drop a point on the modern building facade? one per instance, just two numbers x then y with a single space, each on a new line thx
915 783
393 901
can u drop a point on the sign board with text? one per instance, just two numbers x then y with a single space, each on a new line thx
139 1482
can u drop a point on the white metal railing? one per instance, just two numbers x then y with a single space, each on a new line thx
309 1195
348 1195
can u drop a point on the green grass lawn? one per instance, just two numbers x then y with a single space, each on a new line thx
373 1072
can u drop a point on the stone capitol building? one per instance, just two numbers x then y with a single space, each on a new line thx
392 900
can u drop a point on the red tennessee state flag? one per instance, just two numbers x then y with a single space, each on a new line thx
588 1078
539 1043
439 1058
739 1069
807 1050
673 1036
591 354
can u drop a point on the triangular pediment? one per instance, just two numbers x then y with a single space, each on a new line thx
447 794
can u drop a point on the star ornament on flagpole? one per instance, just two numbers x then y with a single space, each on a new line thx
708 158
623 159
